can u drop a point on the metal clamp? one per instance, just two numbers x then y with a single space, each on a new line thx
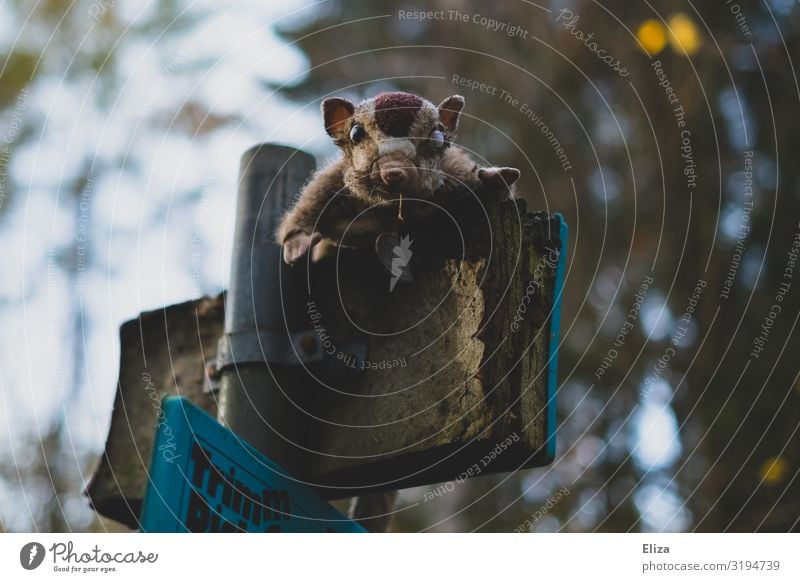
246 347
290 349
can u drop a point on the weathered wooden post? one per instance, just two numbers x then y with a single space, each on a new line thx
350 383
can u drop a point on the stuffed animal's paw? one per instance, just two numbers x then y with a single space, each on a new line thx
500 179
297 245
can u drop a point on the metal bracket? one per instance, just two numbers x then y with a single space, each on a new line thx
211 377
290 349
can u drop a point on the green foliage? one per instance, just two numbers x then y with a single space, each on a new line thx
19 71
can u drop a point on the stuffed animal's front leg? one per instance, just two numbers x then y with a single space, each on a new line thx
463 173
296 232
302 227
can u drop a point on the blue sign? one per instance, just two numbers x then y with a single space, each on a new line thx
203 478
555 338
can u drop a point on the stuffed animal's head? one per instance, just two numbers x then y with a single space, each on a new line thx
392 144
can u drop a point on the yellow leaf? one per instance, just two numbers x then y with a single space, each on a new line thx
773 470
684 36
653 36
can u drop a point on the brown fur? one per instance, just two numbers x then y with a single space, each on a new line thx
352 200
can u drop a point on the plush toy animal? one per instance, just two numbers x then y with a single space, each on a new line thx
398 165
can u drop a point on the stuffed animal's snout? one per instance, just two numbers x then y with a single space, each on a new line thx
396 171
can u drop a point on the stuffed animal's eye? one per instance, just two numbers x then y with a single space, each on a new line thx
357 133
437 137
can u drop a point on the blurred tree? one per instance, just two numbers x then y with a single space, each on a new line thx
43 472
648 191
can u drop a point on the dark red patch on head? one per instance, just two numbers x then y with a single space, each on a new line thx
395 112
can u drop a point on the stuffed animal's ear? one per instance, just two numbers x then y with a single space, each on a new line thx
449 110
336 112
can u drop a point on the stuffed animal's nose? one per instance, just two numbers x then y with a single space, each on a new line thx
393 176
394 170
